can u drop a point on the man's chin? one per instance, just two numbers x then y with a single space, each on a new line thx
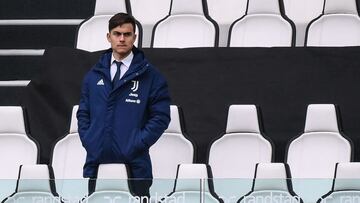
122 52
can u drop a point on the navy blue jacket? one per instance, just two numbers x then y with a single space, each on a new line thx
118 125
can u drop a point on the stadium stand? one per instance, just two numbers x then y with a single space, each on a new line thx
282 80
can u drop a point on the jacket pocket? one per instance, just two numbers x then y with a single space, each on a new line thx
136 146
92 143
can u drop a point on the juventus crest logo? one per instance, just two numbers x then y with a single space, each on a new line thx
135 86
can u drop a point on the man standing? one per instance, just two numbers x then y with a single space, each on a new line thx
124 107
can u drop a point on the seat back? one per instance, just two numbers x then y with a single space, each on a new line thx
188 25
67 161
16 148
148 13
112 177
315 153
312 156
225 12
233 176
189 177
68 153
35 182
111 185
91 34
271 182
346 184
29 174
338 26
106 7
243 138
347 176
172 149
262 26
302 13
266 174
193 184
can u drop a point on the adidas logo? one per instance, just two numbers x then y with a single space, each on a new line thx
101 82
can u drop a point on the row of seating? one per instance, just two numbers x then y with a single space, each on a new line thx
189 24
234 155
272 182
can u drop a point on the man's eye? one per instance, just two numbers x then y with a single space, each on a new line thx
127 34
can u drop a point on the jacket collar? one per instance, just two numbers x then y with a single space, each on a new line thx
138 64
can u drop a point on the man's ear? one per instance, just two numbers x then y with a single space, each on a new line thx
108 37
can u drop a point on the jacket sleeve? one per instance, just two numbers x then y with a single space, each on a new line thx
83 113
158 114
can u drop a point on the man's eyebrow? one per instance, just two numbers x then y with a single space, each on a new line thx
117 32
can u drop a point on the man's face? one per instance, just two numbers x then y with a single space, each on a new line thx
122 39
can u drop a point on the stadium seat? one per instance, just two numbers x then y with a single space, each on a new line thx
91 35
111 185
193 184
187 25
314 154
346 185
272 183
262 26
302 12
35 184
16 147
233 156
68 159
225 12
148 13
105 7
339 25
171 149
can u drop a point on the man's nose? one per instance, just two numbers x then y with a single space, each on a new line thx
121 37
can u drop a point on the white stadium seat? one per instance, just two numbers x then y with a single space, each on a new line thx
68 159
338 26
233 156
187 25
262 26
272 182
314 154
172 149
35 184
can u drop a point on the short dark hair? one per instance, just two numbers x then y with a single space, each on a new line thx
121 18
